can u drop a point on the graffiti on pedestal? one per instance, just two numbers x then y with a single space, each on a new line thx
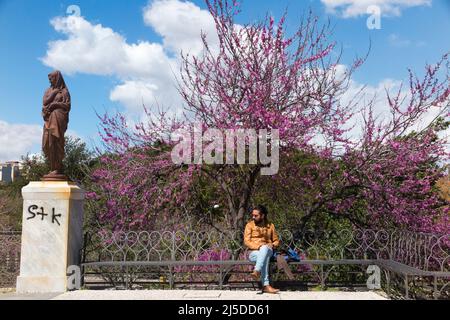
35 211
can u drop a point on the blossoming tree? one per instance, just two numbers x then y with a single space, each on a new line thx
259 77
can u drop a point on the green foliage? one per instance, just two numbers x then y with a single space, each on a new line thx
77 163
78 159
11 205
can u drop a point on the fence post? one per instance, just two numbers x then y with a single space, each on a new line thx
435 287
221 277
406 287
172 257
322 279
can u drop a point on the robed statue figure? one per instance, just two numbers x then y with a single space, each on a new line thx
55 111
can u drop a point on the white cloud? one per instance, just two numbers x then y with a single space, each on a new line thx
355 8
397 41
97 50
88 48
130 91
135 93
359 94
146 70
17 140
180 24
381 108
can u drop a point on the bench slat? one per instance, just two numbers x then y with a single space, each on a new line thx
385 264
402 268
219 262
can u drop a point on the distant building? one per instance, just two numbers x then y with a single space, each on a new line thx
9 171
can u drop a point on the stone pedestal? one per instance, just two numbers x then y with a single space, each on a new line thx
52 235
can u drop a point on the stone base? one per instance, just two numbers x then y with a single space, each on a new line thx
41 284
52 235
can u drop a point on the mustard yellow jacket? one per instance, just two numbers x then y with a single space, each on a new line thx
256 236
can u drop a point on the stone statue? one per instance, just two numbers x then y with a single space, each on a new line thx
55 111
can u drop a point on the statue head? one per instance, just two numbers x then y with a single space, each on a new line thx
56 80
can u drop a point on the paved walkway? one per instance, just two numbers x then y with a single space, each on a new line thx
197 295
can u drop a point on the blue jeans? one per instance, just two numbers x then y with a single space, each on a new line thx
262 259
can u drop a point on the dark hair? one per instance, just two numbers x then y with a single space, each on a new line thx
262 209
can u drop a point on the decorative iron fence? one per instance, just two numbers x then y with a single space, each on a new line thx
422 251
427 252
9 257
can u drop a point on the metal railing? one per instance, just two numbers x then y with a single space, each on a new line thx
10 241
428 252
333 255
424 251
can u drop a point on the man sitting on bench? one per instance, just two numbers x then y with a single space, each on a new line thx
260 237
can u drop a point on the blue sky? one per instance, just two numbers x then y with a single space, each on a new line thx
134 65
